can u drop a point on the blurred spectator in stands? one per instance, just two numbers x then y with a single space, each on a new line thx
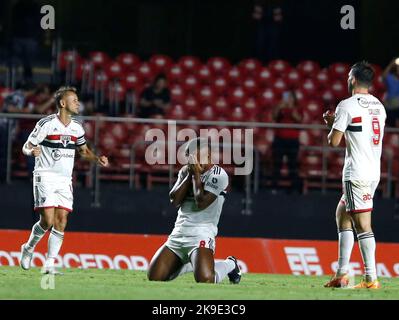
25 34
391 79
286 141
155 99
42 101
269 20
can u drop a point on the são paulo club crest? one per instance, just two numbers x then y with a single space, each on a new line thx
65 140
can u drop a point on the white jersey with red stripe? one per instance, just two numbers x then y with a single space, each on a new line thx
362 119
58 143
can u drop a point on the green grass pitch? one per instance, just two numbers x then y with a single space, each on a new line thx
16 283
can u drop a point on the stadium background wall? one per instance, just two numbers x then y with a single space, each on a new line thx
142 212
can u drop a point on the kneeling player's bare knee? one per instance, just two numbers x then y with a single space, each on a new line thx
205 277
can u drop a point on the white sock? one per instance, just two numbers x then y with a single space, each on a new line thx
367 248
222 268
345 241
36 235
54 245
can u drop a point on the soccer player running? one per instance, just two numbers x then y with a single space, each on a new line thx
199 193
361 119
53 143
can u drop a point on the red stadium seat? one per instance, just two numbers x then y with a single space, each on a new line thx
221 105
236 96
85 70
328 95
191 84
119 131
268 98
89 127
133 81
101 80
206 95
160 63
176 74
265 77
176 112
250 67
190 64
311 163
220 85
234 76
207 114
114 70
129 61
309 88
67 58
279 67
305 138
191 105
251 106
219 65
146 72
238 114
339 71
280 85
323 79
339 89
205 75
100 59
300 97
250 86
315 109
117 92
293 78
308 68
177 93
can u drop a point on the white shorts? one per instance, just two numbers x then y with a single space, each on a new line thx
50 192
358 195
183 246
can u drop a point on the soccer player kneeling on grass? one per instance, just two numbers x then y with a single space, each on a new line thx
361 119
199 193
53 143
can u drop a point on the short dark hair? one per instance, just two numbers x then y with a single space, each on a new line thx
61 92
196 144
363 73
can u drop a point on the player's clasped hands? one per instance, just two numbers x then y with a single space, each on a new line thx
36 151
103 161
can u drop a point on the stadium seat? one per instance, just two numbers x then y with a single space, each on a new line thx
309 88
67 59
146 72
219 65
207 114
250 86
323 79
234 76
177 93
205 75
191 84
265 77
220 85
327 95
250 67
237 114
268 98
176 74
191 104
339 89
129 61
221 105
114 70
160 63
133 81
280 85
293 78
176 112
308 68
251 107
119 130
100 59
206 95
236 96
190 64
339 71
279 67
315 110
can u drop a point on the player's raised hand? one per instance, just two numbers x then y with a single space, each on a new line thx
194 165
36 151
103 161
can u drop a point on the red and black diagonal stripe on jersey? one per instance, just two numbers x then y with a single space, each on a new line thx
356 125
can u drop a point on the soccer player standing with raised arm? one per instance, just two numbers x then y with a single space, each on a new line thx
361 119
53 143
